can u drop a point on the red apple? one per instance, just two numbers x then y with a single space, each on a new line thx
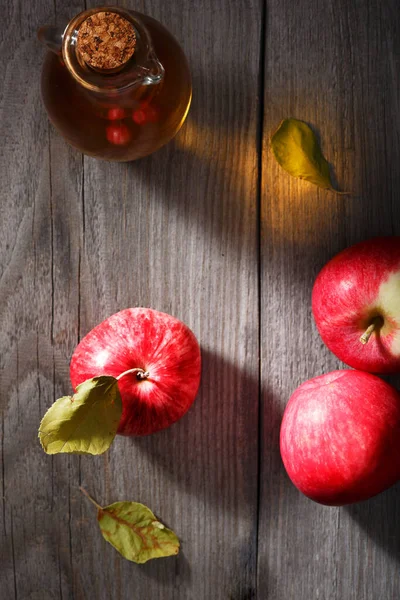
165 354
356 305
340 437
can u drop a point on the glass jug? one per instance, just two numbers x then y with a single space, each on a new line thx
115 84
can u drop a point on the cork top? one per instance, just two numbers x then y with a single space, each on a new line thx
106 41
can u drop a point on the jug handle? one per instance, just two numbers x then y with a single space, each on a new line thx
52 37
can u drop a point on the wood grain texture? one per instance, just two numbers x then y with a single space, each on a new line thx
35 535
81 239
334 65
179 231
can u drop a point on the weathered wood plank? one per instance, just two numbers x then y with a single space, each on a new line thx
38 250
177 232
81 239
335 66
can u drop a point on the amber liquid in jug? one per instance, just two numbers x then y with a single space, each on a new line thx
123 113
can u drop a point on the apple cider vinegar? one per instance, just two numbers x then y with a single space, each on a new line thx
119 88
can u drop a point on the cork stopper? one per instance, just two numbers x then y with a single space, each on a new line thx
106 41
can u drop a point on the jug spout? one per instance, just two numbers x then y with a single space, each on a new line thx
52 37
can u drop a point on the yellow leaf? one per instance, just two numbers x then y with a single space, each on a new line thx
296 149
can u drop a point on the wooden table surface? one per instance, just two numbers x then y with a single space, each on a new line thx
213 231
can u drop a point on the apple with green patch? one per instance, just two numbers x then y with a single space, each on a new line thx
356 305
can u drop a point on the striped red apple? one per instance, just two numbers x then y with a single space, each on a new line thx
156 359
340 431
356 305
340 436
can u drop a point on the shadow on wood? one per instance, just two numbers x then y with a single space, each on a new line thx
224 473
208 174
209 455
173 571
183 177
379 518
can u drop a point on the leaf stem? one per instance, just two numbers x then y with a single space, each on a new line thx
140 374
89 497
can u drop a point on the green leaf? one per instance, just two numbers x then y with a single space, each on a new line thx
85 423
134 531
296 149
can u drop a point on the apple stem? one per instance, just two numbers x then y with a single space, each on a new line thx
364 339
140 374
89 497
